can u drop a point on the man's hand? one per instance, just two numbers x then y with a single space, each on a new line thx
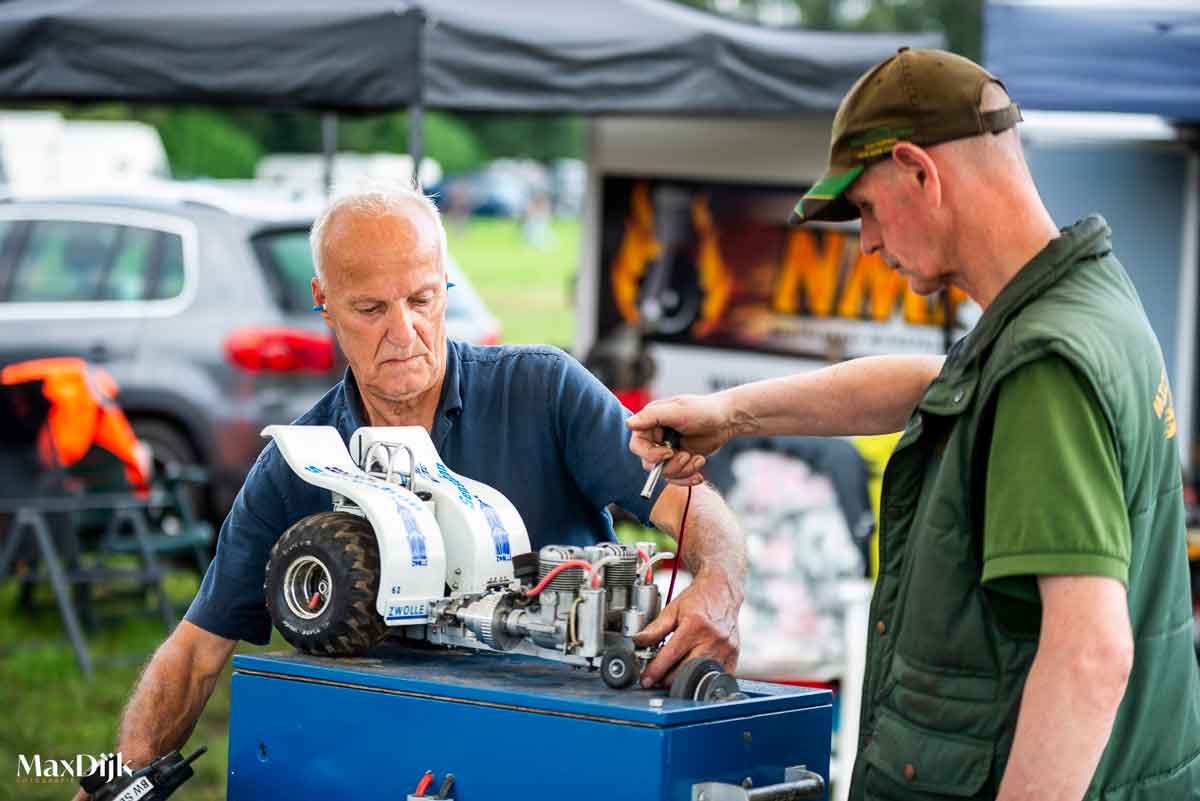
704 425
171 694
703 620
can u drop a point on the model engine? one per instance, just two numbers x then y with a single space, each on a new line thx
411 545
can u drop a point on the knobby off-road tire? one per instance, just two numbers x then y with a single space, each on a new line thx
322 582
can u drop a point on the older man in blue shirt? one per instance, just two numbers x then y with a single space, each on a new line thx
529 421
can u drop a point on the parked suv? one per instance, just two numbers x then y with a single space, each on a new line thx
202 315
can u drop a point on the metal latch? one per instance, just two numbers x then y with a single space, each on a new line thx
798 783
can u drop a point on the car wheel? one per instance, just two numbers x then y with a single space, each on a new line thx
170 447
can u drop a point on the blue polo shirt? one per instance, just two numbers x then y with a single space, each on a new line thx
529 421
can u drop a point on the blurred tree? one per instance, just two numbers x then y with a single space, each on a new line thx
205 142
199 141
281 130
537 136
447 138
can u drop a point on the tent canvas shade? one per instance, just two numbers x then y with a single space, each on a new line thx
619 56
1098 55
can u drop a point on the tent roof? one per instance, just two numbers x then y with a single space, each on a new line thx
641 56
1098 55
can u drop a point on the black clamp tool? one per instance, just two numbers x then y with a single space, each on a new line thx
671 438
155 782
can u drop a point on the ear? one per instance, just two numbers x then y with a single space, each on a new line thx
915 162
318 294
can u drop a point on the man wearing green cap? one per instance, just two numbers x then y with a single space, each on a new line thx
1031 628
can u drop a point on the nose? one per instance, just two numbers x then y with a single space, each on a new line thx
400 330
868 236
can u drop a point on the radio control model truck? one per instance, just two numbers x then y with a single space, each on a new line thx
410 544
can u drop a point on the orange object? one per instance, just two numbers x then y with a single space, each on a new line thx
83 414
423 785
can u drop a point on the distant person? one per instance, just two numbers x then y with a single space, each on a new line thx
1031 633
529 421
535 222
459 206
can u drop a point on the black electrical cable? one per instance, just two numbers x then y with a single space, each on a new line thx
679 542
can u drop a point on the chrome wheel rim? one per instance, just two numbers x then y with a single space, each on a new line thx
307 587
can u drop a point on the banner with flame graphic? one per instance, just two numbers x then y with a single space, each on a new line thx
717 264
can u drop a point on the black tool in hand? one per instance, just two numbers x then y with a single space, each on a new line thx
670 437
155 782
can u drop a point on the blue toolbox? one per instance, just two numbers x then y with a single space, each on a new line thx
505 727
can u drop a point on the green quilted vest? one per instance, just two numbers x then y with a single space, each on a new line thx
947 660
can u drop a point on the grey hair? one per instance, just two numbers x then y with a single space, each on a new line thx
377 201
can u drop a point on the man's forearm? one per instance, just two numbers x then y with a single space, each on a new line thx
1073 690
1062 729
167 702
871 395
713 544
704 617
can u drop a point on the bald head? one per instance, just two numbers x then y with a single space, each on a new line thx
401 219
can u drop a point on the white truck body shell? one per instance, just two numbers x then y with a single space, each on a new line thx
417 559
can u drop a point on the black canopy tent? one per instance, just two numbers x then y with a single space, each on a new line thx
617 56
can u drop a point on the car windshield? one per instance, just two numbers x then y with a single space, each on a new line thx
287 263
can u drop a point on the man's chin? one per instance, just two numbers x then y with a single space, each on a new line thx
925 286
398 392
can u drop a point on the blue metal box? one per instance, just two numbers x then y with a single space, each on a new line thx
509 728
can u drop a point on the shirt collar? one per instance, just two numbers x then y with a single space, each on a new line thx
451 400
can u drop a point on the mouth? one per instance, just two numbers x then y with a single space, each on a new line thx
399 361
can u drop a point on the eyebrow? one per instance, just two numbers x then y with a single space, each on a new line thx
428 287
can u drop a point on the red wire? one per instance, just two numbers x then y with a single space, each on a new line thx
541 585
423 785
649 567
679 555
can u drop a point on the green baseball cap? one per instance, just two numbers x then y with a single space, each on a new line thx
919 96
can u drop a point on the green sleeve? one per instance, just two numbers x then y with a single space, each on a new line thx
1055 502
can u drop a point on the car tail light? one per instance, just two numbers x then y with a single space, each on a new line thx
279 350
634 399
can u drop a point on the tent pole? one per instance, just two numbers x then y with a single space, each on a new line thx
416 109
416 139
329 120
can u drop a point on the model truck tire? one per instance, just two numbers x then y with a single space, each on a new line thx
619 668
322 582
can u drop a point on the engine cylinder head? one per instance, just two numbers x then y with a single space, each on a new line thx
551 557
621 573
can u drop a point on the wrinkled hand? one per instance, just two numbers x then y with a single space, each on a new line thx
703 423
703 619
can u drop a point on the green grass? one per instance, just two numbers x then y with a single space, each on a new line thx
52 710
528 288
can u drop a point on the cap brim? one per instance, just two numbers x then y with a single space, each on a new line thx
826 200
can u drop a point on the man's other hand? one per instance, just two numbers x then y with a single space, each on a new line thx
702 622
703 424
